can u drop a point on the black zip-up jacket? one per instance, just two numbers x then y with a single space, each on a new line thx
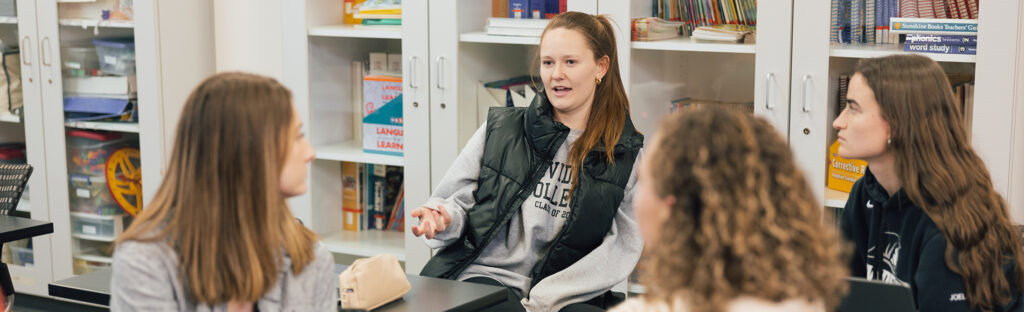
913 248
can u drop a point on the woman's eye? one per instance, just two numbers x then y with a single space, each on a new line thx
571 62
546 63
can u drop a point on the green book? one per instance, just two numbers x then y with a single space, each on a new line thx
382 21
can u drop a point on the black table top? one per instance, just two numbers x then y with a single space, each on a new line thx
427 293
17 228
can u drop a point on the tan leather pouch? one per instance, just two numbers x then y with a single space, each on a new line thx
372 282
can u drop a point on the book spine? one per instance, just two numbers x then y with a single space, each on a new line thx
536 9
518 8
869 21
857 21
499 8
942 39
551 8
933 26
941 49
833 33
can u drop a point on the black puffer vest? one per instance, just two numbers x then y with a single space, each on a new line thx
519 148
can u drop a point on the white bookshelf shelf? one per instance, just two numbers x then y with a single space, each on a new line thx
689 45
9 20
835 199
352 151
353 31
879 50
366 243
10 118
97 238
86 23
637 288
129 127
483 37
94 258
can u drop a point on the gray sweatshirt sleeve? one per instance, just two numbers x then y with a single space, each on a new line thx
607 265
141 280
455 191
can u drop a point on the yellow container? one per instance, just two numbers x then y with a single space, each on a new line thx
842 172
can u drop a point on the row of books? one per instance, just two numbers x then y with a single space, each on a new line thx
528 9
880 21
697 13
372 197
373 12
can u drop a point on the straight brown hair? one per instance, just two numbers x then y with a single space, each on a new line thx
219 206
943 175
611 106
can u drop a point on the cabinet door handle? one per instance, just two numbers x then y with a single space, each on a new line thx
44 48
26 51
807 109
440 71
767 91
412 72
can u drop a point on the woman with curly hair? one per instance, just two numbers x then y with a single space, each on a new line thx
926 196
729 222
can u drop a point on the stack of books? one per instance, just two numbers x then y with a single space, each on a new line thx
373 12
516 26
871 21
943 36
725 33
697 13
654 28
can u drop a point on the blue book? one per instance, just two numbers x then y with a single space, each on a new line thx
941 49
942 39
518 8
551 8
536 9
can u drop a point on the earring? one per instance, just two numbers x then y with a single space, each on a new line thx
888 141
597 80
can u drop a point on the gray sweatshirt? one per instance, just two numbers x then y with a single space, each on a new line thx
145 278
512 254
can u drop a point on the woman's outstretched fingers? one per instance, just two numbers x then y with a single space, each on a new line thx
444 213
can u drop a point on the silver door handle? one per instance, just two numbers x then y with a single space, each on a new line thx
43 49
807 109
440 72
412 72
767 91
25 53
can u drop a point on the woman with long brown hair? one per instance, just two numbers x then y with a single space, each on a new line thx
218 235
539 199
925 213
730 222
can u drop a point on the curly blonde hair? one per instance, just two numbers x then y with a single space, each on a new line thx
744 222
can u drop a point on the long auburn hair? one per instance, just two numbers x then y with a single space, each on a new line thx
942 174
219 206
745 221
611 106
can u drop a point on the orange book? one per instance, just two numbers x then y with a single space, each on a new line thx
350 9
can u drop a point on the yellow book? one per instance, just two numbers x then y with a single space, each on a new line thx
352 212
842 172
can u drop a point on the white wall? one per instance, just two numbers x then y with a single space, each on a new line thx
248 36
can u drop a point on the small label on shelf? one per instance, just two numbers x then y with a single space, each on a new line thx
82 193
89 229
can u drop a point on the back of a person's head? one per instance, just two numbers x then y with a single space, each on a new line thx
219 202
744 221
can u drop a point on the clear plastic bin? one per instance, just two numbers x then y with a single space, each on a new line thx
22 256
116 56
80 61
88 151
105 227
90 194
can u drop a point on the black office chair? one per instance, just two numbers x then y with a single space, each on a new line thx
13 178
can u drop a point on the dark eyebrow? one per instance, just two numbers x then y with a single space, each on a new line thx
852 101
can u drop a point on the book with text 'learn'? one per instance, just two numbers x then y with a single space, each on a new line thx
933 26
941 49
942 39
